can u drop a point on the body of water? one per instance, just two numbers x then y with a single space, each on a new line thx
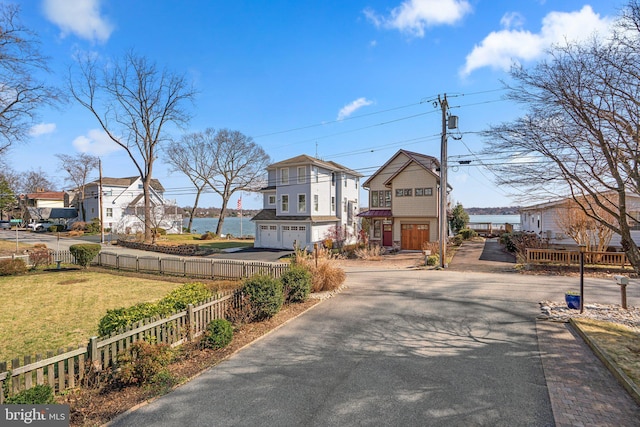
232 224
495 219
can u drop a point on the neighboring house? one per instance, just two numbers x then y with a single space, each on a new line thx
304 201
404 201
46 206
123 205
542 219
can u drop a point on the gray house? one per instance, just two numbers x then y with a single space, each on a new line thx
305 201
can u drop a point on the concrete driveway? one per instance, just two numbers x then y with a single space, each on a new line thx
408 348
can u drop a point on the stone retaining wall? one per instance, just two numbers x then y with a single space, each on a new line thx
185 250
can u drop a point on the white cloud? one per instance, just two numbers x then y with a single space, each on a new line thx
42 129
512 20
95 142
501 48
79 17
413 16
350 108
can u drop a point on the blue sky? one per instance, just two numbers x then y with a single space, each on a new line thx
351 81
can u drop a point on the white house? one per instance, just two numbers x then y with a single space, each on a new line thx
304 201
543 220
123 205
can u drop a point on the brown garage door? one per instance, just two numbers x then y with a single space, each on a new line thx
413 235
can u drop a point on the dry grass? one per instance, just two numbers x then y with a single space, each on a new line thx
45 311
325 276
8 247
370 253
620 343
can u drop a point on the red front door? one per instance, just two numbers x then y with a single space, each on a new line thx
387 235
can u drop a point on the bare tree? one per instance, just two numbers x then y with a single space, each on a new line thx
582 131
239 165
35 181
584 230
134 102
79 167
21 92
194 157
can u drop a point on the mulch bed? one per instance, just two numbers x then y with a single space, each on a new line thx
98 404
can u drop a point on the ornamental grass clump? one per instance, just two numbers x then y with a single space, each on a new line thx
325 276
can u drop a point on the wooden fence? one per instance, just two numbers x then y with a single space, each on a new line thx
551 256
203 268
66 370
207 268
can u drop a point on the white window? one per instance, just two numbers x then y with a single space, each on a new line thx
344 206
302 202
273 227
315 173
109 212
315 203
272 199
333 204
333 179
346 178
302 171
284 176
285 203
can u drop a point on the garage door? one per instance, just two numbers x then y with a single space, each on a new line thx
413 235
269 236
294 234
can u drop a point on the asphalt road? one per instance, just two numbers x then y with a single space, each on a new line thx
410 348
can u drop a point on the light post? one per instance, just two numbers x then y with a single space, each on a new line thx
582 248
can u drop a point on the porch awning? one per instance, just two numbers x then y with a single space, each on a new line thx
376 213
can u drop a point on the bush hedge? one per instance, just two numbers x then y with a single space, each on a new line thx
265 294
12 267
296 284
84 253
467 233
38 395
176 300
219 334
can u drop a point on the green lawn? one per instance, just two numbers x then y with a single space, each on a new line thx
211 244
45 311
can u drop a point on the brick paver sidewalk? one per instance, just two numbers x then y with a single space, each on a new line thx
582 391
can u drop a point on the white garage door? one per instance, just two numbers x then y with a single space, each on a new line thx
269 236
294 234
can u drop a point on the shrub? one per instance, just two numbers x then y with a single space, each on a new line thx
39 256
296 284
93 226
122 317
457 240
179 298
265 295
55 228
208 236
38 395
219 334
517 243
242 312
84 253
12 267
432 260
159 231
468 233
143 363
78 226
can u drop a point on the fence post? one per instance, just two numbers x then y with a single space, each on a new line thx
92 353
191 322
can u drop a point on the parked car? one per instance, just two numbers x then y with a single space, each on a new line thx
5 225
40 226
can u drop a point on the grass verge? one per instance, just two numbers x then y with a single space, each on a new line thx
620 343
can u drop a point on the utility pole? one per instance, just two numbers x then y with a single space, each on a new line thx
100 202
443 183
